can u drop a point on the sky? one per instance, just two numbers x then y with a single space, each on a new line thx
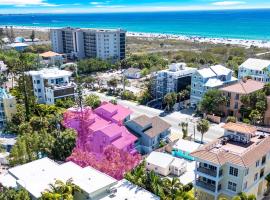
94 6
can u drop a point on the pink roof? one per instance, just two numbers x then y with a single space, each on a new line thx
98 124
114 112
112 130
101 125
126 139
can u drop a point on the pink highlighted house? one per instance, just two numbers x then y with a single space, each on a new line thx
100 128
114 113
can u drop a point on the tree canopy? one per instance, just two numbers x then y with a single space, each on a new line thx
211 101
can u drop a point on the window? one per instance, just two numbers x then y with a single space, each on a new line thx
39 90
263 159
256 177
257 163
237 96
38 81
232 186
245 185
246 172
233 171
262 173
236 105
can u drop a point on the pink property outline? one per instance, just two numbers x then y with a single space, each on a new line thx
103 142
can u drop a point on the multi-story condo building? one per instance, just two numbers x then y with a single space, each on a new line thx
234 93
174 79
90 43
237 162
209 78
257 69
50 84
7 107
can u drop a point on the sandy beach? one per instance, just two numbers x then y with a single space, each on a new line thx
194 39
240 42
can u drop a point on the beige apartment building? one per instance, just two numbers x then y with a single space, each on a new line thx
237 162
234 93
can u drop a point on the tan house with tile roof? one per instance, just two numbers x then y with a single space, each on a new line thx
234 93
150 131
237 162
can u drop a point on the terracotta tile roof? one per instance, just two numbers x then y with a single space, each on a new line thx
240 127
49 54
244 87
220 156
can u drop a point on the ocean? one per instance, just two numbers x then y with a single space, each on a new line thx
235 24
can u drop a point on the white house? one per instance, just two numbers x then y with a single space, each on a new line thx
50 84
132 73
257 69
36 177
165 164
127 190
51 58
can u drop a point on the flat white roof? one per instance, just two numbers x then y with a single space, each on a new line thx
206 73
255 64
213 82
127 190
220 70
179 163
8 180
213 71
160 159
36 176
186 145
7 140
17 44
47 73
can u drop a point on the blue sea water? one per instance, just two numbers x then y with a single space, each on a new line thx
242 24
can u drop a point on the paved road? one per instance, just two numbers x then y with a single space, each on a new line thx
174 118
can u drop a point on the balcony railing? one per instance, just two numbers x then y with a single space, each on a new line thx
209 172
206 186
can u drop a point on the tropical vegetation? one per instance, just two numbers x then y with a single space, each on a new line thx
165 188
203 127
211 101
61 190
13 194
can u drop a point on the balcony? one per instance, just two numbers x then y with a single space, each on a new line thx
209 172
206 186
68 91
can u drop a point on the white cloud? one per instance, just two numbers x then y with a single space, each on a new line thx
25 3
228 3
95 3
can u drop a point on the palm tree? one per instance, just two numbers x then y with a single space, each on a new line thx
154 184
137 175
61 190
173 188
184 126
113 83
203 127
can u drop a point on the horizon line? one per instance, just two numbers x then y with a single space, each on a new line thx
145 11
